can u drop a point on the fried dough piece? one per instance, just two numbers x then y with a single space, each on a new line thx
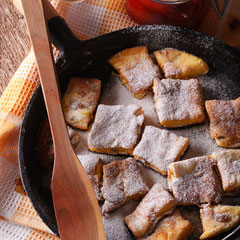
172 227
158 148
178 102
122 181
80 101
74 136
155 205
194 181
137 70
93 167
218 219
224 122
116 129
180 65
228 164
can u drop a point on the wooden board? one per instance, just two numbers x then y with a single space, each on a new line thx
14 41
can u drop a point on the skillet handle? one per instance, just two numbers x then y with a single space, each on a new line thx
61 35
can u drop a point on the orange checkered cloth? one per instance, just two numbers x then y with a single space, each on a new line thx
87 19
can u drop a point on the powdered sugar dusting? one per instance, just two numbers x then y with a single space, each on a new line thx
179 64
157 203
171 226
122 180
225 121
160 148
178 100
136 69
115 227
170 69
141 76
116 127
228 163
194 181
90 164
217 219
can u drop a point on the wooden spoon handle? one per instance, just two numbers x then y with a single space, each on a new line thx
43 53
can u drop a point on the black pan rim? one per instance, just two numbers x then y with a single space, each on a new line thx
23 170
162 27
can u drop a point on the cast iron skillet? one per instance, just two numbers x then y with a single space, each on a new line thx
88 59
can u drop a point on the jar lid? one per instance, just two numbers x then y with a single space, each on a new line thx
171 1
220 10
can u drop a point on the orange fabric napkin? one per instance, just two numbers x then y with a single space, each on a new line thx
87 19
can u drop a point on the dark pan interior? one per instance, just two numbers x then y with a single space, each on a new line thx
90 60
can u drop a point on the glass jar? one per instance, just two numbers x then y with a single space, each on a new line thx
187 13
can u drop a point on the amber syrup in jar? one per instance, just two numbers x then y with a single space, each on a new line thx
187 13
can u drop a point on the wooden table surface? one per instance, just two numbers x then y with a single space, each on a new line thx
14 41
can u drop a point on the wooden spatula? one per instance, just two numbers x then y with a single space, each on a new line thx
76 207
